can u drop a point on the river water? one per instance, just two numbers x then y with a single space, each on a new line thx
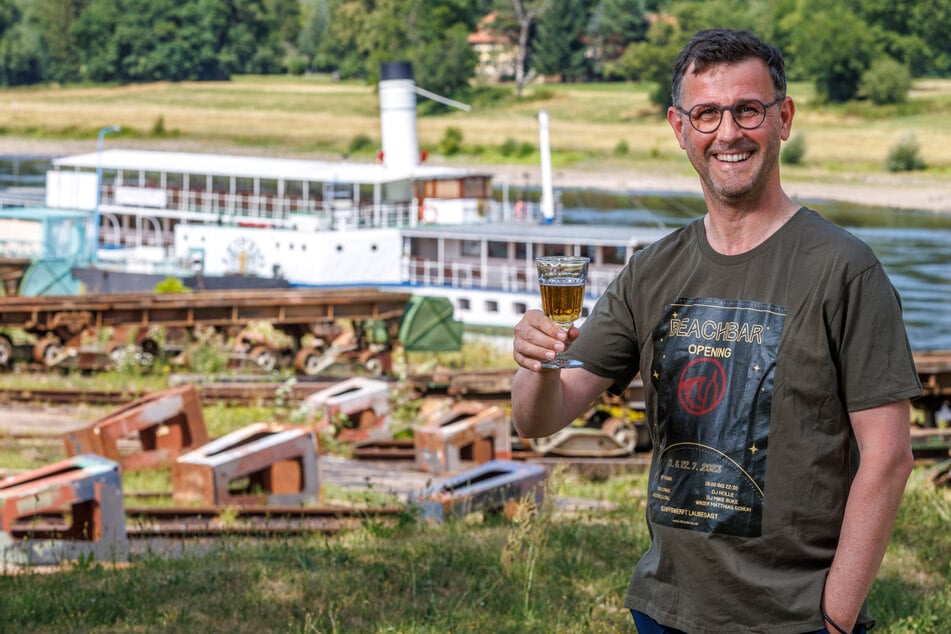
914 246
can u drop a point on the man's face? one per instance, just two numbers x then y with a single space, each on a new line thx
735 165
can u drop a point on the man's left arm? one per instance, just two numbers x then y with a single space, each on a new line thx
883 436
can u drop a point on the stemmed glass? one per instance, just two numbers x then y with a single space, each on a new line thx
561 280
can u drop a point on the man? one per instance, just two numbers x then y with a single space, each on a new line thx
773 355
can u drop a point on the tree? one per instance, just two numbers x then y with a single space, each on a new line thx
53 21
614 25
833 45
653 60
558 45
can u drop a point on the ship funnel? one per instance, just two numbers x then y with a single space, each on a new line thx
398 116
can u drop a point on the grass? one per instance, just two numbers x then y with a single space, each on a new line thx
541 572
312 116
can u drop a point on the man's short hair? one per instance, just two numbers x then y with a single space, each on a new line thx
727 46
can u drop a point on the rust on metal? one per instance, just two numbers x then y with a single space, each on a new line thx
263 463
88 488
470 432
356 410
486 487
165 424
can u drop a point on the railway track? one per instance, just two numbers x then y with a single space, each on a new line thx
148 522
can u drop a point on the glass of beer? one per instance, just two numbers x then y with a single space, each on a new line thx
561 280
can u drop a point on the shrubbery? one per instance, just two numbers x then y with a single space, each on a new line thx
886 81
905 156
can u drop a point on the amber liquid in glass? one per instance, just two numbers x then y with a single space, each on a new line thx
562 300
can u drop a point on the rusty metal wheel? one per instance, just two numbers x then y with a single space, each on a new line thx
264 358
6 352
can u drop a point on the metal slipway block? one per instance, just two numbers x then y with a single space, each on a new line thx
263 463
487 487
89 488
358 409
614 438
166 423
468 432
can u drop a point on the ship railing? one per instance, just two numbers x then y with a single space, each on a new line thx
510 277
282 210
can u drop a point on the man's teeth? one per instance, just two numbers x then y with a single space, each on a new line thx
733 158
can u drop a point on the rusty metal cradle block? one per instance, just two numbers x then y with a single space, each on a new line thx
357 409
166 423
88 489
263 463
469 432
487 487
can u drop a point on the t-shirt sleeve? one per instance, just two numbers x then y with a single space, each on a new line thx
607 344
876 365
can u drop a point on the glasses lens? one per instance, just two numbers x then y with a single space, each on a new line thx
747 115
705 117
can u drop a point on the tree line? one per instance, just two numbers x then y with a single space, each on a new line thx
862 48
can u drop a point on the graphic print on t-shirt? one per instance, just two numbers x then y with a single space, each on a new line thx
713 369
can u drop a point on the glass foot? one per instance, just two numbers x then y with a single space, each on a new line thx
562 363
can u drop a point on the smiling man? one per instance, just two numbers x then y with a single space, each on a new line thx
776 371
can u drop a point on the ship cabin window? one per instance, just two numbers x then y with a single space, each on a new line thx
221 184
471 248
463 303
150 179
588 251
243 185
293 189
174 180
475 187
491 306
520 308
614 255
423 247
498 250
521 251
551 249
268 186
445 189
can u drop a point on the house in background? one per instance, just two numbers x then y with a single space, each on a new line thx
496 50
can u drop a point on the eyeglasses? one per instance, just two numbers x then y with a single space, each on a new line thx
748 114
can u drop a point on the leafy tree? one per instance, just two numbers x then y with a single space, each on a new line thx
52 22
930 20
833 45
445 66
328 41
653 60
147 40
614 25
558 45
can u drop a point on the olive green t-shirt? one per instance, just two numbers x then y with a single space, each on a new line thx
751 364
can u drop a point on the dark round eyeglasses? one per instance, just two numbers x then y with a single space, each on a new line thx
748 114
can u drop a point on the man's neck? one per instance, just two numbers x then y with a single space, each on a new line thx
736 229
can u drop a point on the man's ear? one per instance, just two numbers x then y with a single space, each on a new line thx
676 122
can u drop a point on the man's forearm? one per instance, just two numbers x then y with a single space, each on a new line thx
870 512
544 402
